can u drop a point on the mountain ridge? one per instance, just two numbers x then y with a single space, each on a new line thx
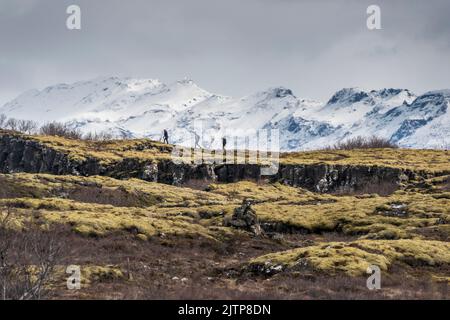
145 107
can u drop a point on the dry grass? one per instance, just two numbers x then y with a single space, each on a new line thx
106 151
103 190
433 161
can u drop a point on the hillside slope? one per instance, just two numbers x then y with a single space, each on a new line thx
136 239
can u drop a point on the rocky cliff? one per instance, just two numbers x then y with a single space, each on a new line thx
344 178
24 154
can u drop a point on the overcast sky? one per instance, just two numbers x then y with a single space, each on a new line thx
232 47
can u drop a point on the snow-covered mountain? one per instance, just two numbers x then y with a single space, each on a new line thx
145 107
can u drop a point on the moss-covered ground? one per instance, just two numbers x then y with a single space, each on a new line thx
138 239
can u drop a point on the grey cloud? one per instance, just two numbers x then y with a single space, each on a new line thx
232 47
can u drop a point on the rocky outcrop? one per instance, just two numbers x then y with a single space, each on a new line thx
244 217
330 178
21 154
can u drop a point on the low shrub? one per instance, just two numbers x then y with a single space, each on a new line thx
360 142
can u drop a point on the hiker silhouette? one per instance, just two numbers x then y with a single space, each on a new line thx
165 136
197 141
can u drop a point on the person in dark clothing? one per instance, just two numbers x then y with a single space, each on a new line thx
224 142
166 136
197 140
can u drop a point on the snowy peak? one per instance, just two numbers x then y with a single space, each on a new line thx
145 107
105 98
391 92
439 98
393 97
444 92
352 105
348 96
428 106
275 94
279 92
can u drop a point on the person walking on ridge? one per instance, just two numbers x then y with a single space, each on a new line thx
165 136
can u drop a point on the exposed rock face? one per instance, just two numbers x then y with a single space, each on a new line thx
328 178
18 154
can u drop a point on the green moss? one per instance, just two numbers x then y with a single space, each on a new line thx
353 258
101 220
132 192
366 217
101 273
90 275
359 216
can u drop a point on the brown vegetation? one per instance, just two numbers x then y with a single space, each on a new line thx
60 130
27 260
360 142
54 128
